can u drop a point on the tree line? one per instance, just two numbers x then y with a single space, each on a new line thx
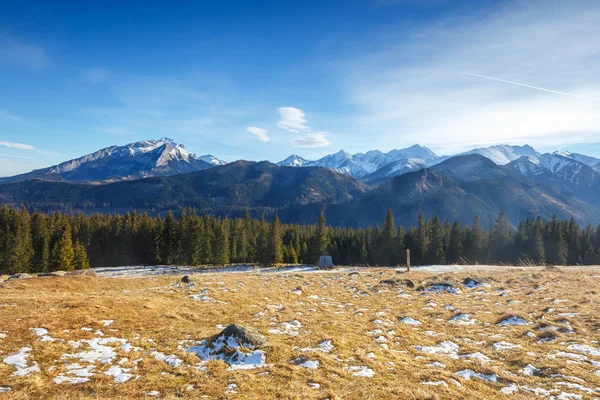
41 242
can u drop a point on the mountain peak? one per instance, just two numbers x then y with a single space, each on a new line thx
146 158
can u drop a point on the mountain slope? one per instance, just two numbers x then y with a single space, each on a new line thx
233 186
148 158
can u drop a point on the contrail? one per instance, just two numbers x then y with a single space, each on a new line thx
533 87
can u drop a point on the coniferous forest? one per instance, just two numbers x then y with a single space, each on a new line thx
47 242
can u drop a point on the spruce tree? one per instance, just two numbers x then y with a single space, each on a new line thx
419 256
80 258
63 254
321 241
275 242
435 249
455 244
500 239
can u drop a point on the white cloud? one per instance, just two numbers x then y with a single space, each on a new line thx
13 51
312 140
6 116
260 133
19 146
541 55
96 75
292 119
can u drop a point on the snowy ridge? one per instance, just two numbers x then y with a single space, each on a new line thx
362 164
503 154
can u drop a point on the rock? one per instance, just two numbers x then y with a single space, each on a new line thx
409 283
353 274
188 279
474 283
54 273
398 282
82 272
438 287
19 276
245 334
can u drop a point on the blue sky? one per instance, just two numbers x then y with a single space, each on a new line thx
263 80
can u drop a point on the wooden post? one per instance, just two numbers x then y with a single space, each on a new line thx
407 260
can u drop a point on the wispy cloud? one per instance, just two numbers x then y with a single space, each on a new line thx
6 116
260 133
292 119
17 52
19 146
532 87
427 98
312 140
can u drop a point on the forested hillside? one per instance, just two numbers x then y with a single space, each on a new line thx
225 190
41 243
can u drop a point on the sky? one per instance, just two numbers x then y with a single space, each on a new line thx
265 79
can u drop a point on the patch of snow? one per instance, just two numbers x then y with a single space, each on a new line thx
361 371
120 374
503 346
287 328
469 373
514 320
232 351
410 321
19 361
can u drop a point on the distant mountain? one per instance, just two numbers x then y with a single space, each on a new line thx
591 161
500 154
561 171
220 190
361 165
143 159
461 188
293 161
211 160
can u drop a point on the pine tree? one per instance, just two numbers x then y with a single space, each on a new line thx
435 249
63 254
455 244
80 258
275 242
386 251
500 239
321 241
41 243
421 242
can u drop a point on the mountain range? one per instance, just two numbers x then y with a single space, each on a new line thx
355 189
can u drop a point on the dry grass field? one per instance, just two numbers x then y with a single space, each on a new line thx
336 335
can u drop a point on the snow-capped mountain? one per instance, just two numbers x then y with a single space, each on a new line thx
293 161
212 160
143 159
360 165
591 161
556 168
500 154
